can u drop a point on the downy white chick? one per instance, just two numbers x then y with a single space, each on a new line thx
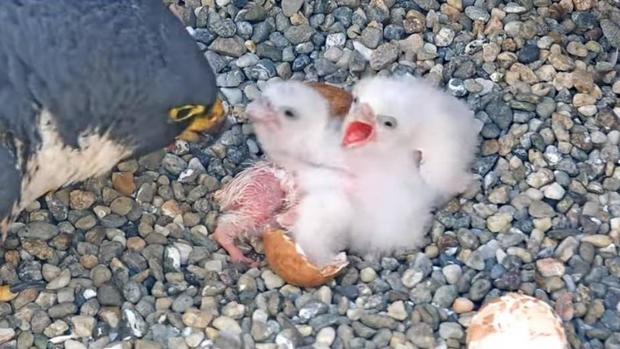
440 126
391 201
265 195
296 131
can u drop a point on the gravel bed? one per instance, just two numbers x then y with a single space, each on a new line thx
129 257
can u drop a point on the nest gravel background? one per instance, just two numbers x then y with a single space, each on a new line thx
130 257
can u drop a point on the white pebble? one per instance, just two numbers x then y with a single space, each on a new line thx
324 294
335 39
224 323
554 191
614 137
397 311
411 277
363 50
73 344
326 336
184 251
272 280
89 293
213 265
368 275
452 273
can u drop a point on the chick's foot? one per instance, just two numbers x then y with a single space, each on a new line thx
227 242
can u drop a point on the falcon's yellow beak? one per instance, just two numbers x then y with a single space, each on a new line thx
5 294
202 120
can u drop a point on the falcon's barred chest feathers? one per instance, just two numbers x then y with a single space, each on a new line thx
84 85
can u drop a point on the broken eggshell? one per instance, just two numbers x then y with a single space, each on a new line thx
287 259
516 321
338 98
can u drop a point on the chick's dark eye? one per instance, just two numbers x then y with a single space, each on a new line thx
290 114
388 121
356 99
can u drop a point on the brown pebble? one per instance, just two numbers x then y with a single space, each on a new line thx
123 182
135 243
38 249
564 306
163 303
462 305
583 5
431 251
62 241
490 147
25 297
110 315
81 200
549 267
141 276
598 240
452 12
171 209
197 318
12 257
89 261
446 242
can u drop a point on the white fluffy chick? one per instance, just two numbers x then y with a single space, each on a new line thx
292 123
391 201
440 126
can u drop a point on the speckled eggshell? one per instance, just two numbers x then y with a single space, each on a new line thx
516 321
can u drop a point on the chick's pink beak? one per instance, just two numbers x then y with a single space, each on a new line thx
261 111
362 129
257 109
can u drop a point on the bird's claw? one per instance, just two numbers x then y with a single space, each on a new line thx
239 258
234 253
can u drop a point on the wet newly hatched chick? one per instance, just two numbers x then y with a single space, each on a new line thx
441 127
392 203
253 201
294 126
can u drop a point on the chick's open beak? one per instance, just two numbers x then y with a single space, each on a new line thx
206 122
361 129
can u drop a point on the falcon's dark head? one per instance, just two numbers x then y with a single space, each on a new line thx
126 68
180 81
85 84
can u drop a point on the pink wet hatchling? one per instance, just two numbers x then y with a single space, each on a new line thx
258 198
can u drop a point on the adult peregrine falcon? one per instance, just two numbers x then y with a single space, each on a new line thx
85 84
